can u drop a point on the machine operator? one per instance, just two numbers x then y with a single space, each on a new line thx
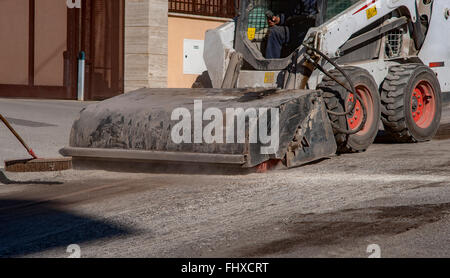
290 28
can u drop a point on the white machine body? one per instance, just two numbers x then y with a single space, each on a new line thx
334 33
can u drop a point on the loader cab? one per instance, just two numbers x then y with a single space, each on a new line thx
253 30
258 29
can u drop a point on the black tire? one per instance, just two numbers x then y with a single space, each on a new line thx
334 96
400 107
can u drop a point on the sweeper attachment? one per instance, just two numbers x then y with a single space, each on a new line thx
240 127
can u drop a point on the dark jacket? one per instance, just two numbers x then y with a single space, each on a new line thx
300 11
300 16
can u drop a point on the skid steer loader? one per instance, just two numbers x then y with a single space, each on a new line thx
360 62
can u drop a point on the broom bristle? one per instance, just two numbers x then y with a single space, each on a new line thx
38 165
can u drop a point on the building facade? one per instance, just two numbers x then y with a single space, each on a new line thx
128 44
42 40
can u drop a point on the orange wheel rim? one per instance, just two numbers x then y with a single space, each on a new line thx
355 119
423 104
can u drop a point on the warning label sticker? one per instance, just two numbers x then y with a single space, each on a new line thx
371 12
251 32
269 77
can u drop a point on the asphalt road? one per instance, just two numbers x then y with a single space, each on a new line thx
395 196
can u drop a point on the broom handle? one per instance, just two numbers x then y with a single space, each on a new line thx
30 151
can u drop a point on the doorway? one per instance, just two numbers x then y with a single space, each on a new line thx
102 40
34 49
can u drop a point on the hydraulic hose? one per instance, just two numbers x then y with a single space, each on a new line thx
351 89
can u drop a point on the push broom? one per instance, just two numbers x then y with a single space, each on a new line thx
34 164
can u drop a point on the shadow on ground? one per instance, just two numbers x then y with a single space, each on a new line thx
28 227
308 230
443 133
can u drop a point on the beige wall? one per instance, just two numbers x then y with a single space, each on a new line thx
154 44
50 42
180 28
145 44
14 42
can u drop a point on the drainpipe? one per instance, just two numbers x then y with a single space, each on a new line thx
81 73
